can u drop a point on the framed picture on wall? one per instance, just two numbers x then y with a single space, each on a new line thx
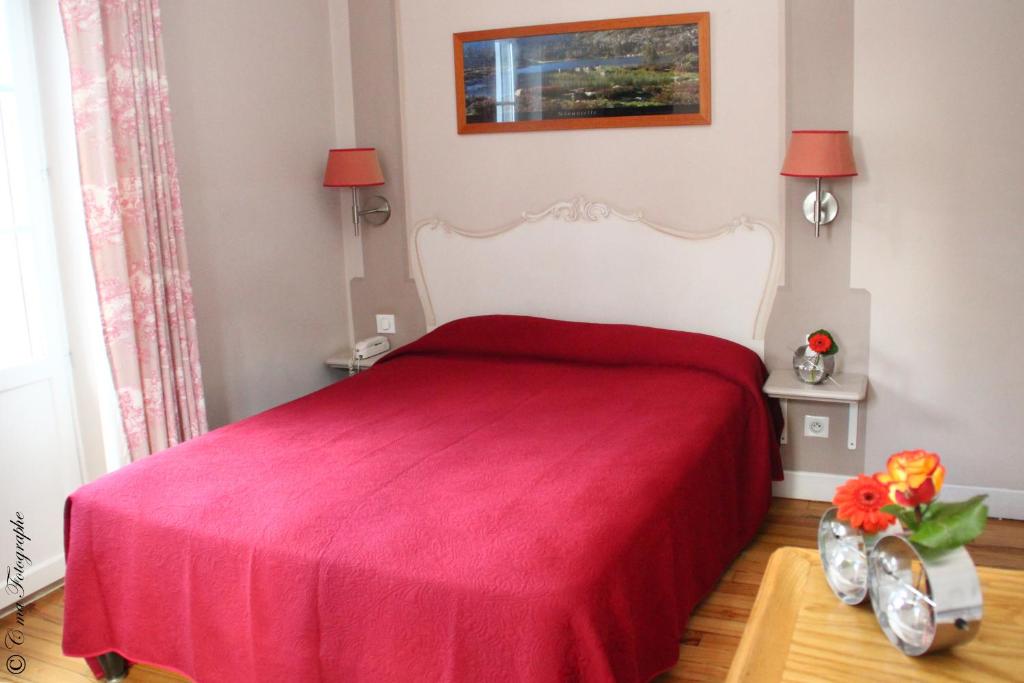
640 71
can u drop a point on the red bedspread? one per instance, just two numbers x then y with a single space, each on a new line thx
507 499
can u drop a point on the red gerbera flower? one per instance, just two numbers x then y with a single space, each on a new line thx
820 343
860 502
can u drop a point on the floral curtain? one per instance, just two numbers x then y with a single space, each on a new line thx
133 216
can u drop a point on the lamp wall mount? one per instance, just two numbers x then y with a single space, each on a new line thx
820 208
376 212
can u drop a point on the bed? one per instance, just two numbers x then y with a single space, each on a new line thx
509 498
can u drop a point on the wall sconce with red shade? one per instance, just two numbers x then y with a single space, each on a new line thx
355 168
819 154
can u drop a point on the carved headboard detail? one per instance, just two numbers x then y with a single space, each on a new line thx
583 260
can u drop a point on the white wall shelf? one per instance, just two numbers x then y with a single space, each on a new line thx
849 388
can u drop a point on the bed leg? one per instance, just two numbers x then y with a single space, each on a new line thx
115 669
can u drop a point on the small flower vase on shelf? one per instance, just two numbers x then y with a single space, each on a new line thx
815 361
811 367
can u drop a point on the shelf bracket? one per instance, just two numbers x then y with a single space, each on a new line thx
851 427
784 406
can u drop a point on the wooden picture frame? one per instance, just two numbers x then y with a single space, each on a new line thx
589 90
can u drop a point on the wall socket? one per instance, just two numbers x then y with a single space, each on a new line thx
385 323
816 426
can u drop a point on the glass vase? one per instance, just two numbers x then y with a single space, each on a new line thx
812 368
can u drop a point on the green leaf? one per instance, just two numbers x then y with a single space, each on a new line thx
950 525
932 509
940 510
905 515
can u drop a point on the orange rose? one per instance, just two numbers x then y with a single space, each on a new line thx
860 502
913 477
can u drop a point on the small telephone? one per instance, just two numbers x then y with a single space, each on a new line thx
370 347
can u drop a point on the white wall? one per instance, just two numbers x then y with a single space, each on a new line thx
345 136
698 177
938 240
251 90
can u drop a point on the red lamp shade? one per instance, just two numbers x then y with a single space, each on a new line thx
819 154
356 167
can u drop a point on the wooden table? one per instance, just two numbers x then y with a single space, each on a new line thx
799 631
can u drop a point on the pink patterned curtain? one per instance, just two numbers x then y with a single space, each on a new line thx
133 215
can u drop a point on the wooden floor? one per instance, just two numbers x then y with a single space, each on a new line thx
706 648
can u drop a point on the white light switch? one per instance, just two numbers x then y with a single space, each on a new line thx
385 323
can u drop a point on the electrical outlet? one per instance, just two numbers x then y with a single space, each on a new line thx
816 426
385 323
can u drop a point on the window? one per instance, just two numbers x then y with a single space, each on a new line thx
24 216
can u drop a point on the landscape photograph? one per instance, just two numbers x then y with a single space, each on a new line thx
646 71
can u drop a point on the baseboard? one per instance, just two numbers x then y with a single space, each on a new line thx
808 485
38 577
38 595
1002 503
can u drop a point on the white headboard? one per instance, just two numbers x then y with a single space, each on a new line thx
585 261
